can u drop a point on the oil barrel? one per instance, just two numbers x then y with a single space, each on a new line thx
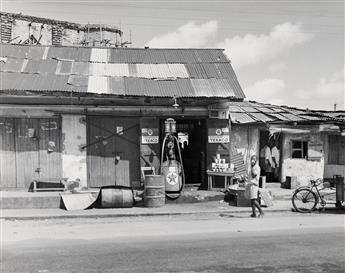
154 194
116 198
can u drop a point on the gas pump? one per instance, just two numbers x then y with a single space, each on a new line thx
171 168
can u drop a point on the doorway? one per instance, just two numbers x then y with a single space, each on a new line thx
192 140
113 151
270 155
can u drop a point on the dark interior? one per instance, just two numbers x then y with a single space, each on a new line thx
193 153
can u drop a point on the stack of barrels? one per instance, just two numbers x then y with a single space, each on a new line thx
154 195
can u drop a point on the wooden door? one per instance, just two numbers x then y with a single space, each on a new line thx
127 147
27 156
50 147
100 152
113 151
7 154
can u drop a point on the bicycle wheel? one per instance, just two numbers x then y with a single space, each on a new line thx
304 200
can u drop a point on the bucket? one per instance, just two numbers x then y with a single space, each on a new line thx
154 195
116 198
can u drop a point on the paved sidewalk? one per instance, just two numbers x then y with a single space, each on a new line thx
168 209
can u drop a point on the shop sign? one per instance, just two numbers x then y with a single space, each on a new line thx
218 135
149 136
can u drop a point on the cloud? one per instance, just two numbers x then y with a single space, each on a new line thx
253 49
331 90
322 95
267 91
189 35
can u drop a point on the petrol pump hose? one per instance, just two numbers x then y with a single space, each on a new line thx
172 194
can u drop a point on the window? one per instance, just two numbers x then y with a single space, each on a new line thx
299 149
336 151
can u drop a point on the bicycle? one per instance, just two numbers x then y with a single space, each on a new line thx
305 199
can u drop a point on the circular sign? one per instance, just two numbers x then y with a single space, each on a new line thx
149 132
172 178
218 132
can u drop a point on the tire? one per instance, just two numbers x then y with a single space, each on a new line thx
304 200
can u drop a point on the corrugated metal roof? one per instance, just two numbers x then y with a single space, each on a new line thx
80 68
279 117
261 117
210 79
98 85
292 117
196 71
99 55
41 66
12 65
241 118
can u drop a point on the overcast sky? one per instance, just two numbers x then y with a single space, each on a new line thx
284 52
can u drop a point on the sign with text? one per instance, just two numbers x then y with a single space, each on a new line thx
149 136
218 135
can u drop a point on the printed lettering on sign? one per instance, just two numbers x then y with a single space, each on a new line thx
149 136
47 126
218 135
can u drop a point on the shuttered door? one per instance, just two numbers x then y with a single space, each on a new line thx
336 154
113 151
7 154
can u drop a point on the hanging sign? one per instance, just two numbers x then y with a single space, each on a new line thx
149 136
218 135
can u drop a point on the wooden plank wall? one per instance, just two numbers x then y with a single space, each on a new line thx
7 153
24 151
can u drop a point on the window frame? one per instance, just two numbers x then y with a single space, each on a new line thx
302 149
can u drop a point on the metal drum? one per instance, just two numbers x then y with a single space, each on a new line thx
154 195
116 198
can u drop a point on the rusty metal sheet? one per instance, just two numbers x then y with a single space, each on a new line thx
221 88
65 67
80 68
228 73
36 52
14 51
98 84
241 118
202 87
99 55
261 117
83 54
77 80
12 65
279 116
292 117
62 53
41 66
235 109
250 109
212 71
196 71
117 86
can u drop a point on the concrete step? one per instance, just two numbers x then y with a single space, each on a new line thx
51 200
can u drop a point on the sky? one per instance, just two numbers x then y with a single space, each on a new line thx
284 52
